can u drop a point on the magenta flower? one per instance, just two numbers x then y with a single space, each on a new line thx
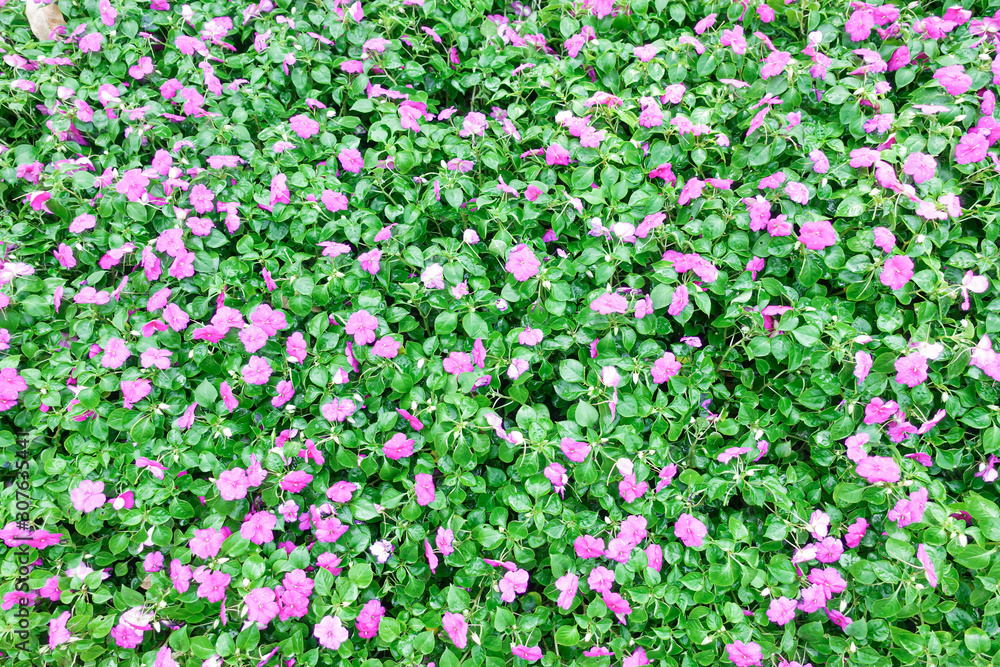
304 126
911 370
928 565
362 325
971 148
556 155
897 272
574 450
330 632
257 371
522 263
817 235
567 586
781 610
529 653
607 304
424 488
88 496
587 546
398 447
369 619
690 531
351 160
457 363
457 628
744 655
259 527
877 469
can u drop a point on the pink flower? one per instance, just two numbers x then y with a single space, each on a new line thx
821 164
88 496
398 447
228 398
65 256
678 301
690 530
362 326
257 371
607 304
351 160
556 155
304 126
58 634
259 527
330 632
233 484
115 353
424 488
631 489
877 469
574 450
530 337
665 368
134 391
207 542
897 272
444 541
781 610
457 363
522 263
856 532
954 79
911 370
971 148
855 447
457 628
909 510
529 653
513 584
617 604
601 579
556 474
862 365
567 586
744 655
928 565
817 235
387 347
920 166
587 546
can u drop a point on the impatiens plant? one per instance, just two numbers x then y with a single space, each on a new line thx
433 332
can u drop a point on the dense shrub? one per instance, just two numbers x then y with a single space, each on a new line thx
445 332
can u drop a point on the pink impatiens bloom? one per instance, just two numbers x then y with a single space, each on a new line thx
744 655
424 488
911 370
513 584
877 469
587 546
954 79
457 628
88 496
362 326
607 304
257 371
567 586
330 632
897 272
115 353
398 447
522 263
928 565
351 160
971 148
920 166
690 530
574 450
529 653
781 610
817 235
